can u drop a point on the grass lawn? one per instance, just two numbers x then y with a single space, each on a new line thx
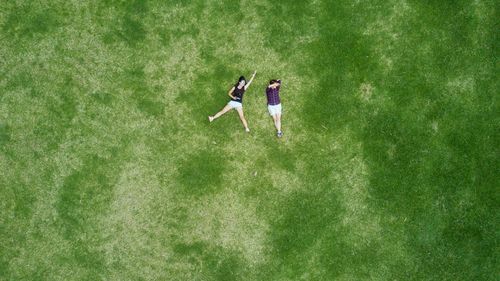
388 168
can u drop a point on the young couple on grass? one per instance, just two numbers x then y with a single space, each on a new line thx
236 102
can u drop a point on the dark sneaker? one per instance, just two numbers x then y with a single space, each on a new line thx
279 134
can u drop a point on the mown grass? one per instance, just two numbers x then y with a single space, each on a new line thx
111 171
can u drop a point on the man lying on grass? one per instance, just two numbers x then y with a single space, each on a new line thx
236 102
274 104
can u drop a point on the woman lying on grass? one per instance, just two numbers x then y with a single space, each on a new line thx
236 102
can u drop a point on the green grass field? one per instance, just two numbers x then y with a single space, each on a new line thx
388 169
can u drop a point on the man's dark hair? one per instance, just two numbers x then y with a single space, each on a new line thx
273 81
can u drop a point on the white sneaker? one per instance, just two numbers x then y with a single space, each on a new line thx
210 118
247 130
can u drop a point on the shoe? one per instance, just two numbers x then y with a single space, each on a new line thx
279 134
247 130
210 118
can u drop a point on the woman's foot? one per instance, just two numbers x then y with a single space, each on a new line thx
247 130
210 118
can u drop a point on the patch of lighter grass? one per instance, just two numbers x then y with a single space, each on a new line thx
351 177
285 181
351 180
130 227
39 251
386 29
388 22
462 90
231 223
366 91
174 71
97 136
461 86
435 126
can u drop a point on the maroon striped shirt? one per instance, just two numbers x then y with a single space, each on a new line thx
273 95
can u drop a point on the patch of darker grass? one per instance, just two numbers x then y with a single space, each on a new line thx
201 172
103 98
84 193
342 60
84 196
428 177
150 107
304 220
134 79
280 156
214 263
28 22
137 7
20 80
132 31
284 22
24 199
4 134
61 109
129 30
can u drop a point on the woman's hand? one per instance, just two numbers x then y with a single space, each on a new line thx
251 79
230 93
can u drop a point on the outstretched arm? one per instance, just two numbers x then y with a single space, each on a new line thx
251 79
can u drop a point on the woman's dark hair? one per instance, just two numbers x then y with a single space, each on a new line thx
242 78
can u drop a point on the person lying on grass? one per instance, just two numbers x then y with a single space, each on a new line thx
274 104
236 102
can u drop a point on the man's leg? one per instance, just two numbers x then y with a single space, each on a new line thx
277 122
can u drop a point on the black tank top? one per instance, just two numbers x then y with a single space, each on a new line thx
238 94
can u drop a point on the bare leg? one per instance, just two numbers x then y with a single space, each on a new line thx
220 113
242 118
277 122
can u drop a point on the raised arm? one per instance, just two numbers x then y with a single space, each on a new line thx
276 84
251 79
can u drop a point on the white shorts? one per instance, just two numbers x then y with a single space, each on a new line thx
274 109
234 104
